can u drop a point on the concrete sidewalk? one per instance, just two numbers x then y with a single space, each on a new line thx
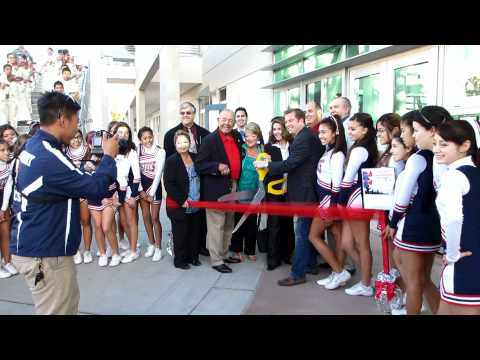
146 287
312 299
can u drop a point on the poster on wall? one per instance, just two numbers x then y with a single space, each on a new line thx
378 188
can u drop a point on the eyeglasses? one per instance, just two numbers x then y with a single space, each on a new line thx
185 113
78 138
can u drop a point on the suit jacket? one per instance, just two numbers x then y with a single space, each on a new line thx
212 152
169 145
177 184
301 165
276 155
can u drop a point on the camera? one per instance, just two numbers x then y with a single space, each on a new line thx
97 141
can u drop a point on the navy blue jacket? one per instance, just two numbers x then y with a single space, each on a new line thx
47 229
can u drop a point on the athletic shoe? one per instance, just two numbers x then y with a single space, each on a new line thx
325 281
77 259
116 259
157 255
124 252
4 274
124 245
132 256
87 257
402 311
150 250
103 260
10 268
339 279
360 289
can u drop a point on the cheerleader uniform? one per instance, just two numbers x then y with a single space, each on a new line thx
351 187
76 156
128 176
329 176
6 183
414 215
458 203
151 168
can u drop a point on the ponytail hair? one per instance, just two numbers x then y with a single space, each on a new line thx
458 132
369 141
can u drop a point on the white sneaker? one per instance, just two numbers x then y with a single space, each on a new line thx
150 250
103 260
325 281
4 274
10 268
124 252
87 257
360 289
402 311
157 256
124 245
339 279
130 257
115 260
77 259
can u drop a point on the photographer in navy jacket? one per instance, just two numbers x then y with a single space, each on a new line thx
46 230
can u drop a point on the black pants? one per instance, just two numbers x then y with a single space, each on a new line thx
247 231
186 237
202 244
281 238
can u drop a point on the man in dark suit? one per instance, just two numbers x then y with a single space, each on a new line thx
219 164
195 131
197 134
301 165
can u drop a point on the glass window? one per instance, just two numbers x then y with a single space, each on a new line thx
288 72
367 94
294 98
287 52
331 88
409 88
354 50
313 92
462 76
279 102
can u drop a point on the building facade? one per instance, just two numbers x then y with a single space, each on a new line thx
267 80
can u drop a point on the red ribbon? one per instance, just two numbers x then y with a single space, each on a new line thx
284 209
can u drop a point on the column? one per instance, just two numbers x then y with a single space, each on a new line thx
139 110
169 89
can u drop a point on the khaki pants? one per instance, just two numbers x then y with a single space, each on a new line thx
58 292
219 233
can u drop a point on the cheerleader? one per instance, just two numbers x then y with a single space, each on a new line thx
6 267
103 214
355 233
128 177
329 176
458 204
78 153
415 225
152 160
388 126
10 136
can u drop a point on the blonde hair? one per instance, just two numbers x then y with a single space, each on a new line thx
255 129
